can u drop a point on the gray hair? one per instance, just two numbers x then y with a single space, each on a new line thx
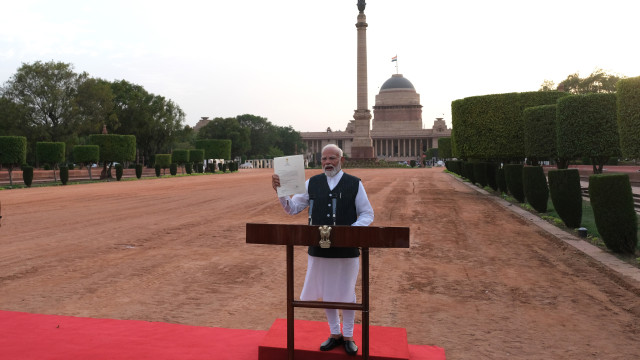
332 146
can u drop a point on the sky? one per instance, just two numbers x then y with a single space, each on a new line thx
294 62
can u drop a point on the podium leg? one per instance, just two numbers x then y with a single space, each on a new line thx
290 317
365 303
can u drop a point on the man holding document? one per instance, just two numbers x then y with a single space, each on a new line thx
333 198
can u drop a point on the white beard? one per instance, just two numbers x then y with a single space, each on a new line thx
334 172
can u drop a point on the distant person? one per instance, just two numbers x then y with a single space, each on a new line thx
332 273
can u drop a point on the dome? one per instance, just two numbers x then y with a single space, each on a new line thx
397 82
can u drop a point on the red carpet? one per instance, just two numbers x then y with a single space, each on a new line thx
26 336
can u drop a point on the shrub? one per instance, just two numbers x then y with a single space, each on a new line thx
173 169
27 175
566 195
118 171
492 175
412 163
501 181
223 167
613 212
480 173
468 171
64 174
200 168
513 177
158 168
535 187
187 168
138 171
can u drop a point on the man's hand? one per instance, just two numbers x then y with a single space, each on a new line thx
275 181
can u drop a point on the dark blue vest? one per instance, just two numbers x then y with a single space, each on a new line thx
322 213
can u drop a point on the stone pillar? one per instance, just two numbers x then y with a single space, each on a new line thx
362 147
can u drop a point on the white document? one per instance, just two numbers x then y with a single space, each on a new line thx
290 169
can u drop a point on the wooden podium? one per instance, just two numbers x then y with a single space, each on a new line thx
364 237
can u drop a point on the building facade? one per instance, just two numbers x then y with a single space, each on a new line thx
397 131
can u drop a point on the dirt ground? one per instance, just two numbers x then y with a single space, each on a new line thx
478 280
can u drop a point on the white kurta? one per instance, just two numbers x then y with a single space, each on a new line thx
331 279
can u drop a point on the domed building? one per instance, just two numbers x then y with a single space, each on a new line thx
397 131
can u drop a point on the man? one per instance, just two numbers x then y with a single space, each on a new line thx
332 273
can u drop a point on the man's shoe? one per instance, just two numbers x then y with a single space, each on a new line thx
350 347
331 343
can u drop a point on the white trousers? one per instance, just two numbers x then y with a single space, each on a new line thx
333 280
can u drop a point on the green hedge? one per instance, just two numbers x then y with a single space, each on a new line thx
13 153
138 171
628 116
540 132
587 127
51 153
480 173
119 171
491 126
27 175
513 177
215 148
566 195
64 174
534 184
188 168
444 148
501 181
115 147
173 169
468 171
613 212
492 175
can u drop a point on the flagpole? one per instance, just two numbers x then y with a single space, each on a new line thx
396 64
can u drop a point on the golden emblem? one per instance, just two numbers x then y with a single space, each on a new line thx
325 232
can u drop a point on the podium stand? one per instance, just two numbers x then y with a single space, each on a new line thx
364 237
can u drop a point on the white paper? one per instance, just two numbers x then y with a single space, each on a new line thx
290 169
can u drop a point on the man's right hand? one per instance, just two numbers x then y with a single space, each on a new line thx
275 181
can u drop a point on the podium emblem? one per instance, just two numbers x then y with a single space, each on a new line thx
325 232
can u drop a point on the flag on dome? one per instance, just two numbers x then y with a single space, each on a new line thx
395 58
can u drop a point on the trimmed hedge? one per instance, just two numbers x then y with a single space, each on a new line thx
119 171
13 153
492 175
612 203
628 115
114 147
566 195
480 173
215 148
64 175
540 132
27 175
491 126
535 187
188 168
444 148
513 177
164 161
468 171
587 127
501 181
158 168
138 171
173 169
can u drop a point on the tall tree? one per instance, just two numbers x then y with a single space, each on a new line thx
47 91
94 107
154 120
289 141
598 82
228 128
262 133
